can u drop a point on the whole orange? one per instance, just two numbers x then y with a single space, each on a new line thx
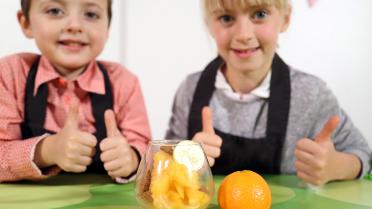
244 190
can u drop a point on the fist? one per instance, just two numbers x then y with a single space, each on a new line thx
119 159
210 142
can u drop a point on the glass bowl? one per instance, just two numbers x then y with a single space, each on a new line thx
174 174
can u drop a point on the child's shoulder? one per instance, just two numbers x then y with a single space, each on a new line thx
19 58
189 84
306 81
117 70
187 87
121 77
17 64
309 88
193 78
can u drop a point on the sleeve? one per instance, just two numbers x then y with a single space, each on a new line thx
133 120
132 176
16 155
131 115
347 138
350 140
178 122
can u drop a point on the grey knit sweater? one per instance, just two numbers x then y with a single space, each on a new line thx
312 104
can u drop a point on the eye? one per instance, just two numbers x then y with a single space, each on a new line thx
55 12
226 19
260 14
92 15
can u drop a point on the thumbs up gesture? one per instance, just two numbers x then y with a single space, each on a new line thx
316 159
72 149
210 142
118 157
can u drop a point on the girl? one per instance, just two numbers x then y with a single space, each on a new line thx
267 116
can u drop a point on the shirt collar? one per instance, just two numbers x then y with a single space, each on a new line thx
91 80
262 91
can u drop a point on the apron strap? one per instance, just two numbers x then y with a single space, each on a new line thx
35 105
203 94
279 100
100 103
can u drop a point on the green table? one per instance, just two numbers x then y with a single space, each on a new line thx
94 191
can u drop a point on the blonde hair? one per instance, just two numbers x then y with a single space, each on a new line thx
210 6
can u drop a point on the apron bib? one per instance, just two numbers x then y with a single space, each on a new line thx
262 155
35 112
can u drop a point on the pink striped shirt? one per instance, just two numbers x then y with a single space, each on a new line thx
16 155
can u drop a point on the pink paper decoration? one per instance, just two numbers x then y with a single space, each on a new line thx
311 2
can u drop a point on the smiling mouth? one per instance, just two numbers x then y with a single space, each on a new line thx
72 43
245 52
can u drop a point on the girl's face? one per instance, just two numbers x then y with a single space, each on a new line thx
247 38
69 33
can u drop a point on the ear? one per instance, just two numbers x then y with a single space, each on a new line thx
287 13
25 24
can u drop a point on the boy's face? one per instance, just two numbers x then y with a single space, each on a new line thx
70 33
247 38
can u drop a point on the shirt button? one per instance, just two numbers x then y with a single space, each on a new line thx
62 82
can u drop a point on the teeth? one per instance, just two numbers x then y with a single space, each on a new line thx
242 51
73 44
246 50
76 44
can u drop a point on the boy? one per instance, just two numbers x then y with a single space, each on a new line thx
63 110
268 117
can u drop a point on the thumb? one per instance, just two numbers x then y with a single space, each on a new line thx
326 133
207 120
110 122
72 119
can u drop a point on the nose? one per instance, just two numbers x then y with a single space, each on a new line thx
74 24
244 30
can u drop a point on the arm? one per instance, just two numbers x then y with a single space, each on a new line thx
24 158
70 149
132 118
341 159
349 140
178 123
16 154
319 162
344 156
129 126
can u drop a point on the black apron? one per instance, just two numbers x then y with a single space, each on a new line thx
36 105
261 155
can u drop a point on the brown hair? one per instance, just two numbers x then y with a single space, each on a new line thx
26 5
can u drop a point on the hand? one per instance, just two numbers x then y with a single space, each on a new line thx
72 149
210 142
119 159
316 159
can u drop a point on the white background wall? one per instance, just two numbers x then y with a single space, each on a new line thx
164 40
